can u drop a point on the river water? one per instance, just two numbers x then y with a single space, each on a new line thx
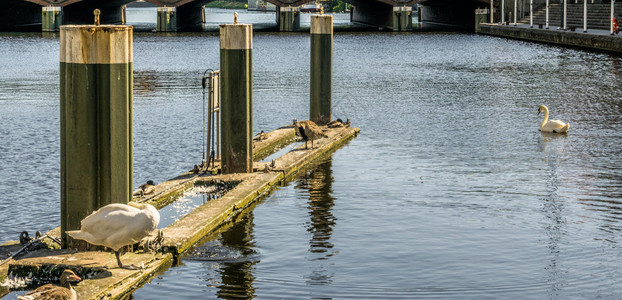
450 190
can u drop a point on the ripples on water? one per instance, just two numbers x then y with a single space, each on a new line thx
449 191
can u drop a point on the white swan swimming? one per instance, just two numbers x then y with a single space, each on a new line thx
555 126
117 225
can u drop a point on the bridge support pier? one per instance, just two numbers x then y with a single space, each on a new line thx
288 18
236 75
321 68
402 18
51 18
167 19
96 121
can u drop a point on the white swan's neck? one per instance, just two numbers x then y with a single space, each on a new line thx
546 117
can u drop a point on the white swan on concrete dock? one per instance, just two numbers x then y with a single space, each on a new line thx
117 225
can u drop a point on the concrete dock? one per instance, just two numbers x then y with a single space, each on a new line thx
102 279
593 39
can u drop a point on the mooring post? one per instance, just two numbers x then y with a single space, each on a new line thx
236 74
321 68
51 18
96 120
167 19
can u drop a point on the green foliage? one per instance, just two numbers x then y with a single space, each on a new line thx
335 5
237 4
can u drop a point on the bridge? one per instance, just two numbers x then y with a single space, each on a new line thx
189 15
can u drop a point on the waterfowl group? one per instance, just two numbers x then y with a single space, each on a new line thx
64 291
308 130
118 225
555 126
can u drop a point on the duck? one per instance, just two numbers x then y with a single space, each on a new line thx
49 291
335 123
339 123
148 187
117 225
555 126
260 136
308 130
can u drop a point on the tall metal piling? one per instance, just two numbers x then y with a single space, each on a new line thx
321 68
96 120
236 85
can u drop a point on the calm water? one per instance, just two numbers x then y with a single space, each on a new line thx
449 191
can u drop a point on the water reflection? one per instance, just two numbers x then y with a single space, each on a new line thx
233 257
237 276
318 182
146 82
552 147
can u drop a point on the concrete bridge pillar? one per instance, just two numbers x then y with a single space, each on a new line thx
288 18
51 18
402 18
191 17
167 19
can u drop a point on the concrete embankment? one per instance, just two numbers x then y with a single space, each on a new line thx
104 280
594 39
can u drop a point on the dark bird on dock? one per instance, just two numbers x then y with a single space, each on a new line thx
55 292
118 225
147 188
260 136
308 130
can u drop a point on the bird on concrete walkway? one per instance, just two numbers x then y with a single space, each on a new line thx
148 187
118 225
50 291
308 130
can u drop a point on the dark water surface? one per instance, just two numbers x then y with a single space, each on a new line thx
449 191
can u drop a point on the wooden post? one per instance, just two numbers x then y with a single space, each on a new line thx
236 74
321 68
96 120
